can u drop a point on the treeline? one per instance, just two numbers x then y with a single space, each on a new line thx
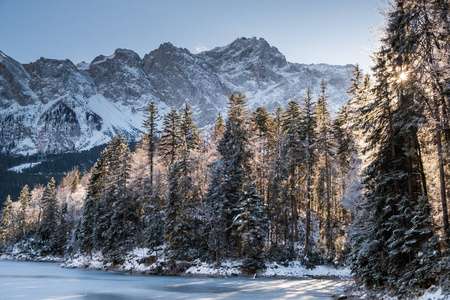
55 165
257 187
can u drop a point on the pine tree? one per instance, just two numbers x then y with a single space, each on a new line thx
188 130
151 114
388 247
50 216
324 148
251 222
120 209
7 234
22 218
179 222
75 183
308 138
171 138
219 128
292 153
183 195
235 171
88 223
60 238
264 127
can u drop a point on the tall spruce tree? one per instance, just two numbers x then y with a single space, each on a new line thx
183 195
325 152
85 237
151 115
251 222
292 153
50 216
235 171
171 138
22 218
7 234
121 208
308 138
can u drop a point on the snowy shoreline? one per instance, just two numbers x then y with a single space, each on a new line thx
141 263
137 263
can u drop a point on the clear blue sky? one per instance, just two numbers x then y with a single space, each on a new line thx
305 31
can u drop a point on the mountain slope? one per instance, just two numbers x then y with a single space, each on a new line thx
76 107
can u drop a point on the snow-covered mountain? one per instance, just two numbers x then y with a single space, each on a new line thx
75 107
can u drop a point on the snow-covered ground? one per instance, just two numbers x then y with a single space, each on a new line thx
144 261
20 168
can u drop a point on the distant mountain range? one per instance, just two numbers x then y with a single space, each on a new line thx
72 107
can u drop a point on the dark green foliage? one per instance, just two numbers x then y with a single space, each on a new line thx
88 223
171 138
251 222
234 171
50 216
179 223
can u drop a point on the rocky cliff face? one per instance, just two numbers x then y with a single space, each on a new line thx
76 107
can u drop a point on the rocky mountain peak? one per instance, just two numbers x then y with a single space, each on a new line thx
14 83
248 50
81 106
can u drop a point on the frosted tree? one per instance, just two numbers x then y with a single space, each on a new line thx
251 222
325 153
170 141
308 138
234 173
179 222
121 226
183 195
88 222
397 222
219 128
151 115
22 217
188 130
292 153
7 234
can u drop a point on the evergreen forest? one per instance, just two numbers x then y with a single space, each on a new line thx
367 187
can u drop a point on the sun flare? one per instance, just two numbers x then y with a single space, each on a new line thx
403 76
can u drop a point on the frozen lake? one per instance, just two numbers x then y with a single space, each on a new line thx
31 280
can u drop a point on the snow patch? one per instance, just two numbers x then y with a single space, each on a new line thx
19 169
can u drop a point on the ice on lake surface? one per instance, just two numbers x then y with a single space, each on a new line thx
32 280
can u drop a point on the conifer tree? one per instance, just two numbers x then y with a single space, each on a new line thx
151 114
7 235
50 216
219 128
60 238
171 138
308 138
251 222
88 223
292 153
397 221
179 231
75 183
235 171
24 201
325 151
183 194
118 205
188 130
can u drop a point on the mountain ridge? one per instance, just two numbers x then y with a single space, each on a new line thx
78 106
